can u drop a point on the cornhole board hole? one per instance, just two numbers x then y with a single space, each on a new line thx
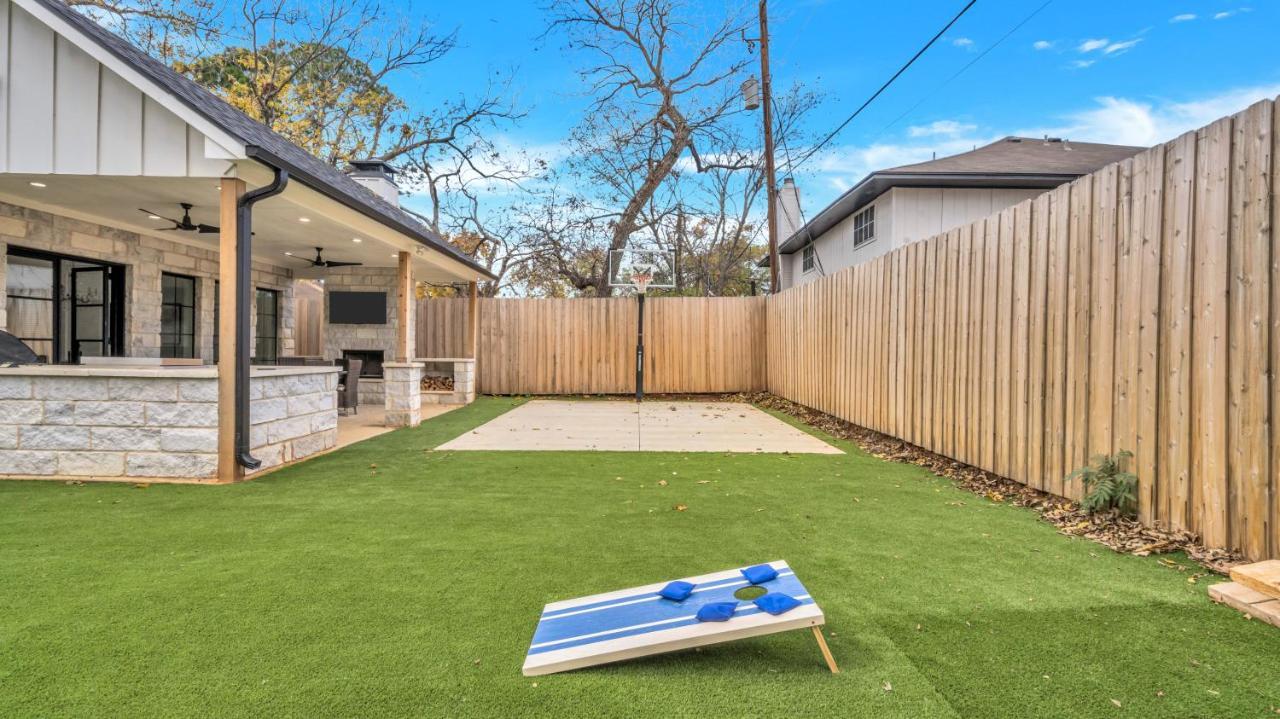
636 622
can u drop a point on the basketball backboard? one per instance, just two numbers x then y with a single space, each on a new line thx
642 269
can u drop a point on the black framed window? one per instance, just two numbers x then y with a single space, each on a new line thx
177 315
267 329
30 303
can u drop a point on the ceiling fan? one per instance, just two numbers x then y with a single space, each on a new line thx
319 261
185 224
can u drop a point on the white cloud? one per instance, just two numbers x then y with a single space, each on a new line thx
1082 64
1120 46
1042 44
1126 121
1094 44
963 42
1184 17
941 127
1231 13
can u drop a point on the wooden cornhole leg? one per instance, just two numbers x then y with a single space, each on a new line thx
826 651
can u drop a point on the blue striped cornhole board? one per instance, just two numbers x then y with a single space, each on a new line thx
637 622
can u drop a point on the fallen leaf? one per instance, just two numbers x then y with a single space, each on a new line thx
887 687
141 485
662 482
680 507
1116 702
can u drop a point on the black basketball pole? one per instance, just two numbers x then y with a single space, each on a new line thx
640 349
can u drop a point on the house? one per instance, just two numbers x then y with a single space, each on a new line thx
893 207
151 238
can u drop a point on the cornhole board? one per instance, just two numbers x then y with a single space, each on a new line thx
636 622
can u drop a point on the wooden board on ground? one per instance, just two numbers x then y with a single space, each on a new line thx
636 622
1241 598
1260 577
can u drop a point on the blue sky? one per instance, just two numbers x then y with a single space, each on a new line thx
1124 71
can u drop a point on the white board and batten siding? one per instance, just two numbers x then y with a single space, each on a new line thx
62 112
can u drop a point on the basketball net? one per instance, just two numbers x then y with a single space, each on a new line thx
641 279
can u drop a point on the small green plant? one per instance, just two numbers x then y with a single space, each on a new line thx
1107 486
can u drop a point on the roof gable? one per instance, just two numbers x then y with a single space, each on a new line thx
185 97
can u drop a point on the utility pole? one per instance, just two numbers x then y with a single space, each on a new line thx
766 89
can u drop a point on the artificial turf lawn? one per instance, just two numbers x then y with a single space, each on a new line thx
336 589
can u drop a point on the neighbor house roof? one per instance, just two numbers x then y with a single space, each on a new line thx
1010 163
262 143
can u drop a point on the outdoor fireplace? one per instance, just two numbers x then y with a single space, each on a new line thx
371 361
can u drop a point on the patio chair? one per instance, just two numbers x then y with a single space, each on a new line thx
349 389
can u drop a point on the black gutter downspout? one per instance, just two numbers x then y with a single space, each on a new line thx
244 260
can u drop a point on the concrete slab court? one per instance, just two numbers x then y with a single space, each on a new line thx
653 426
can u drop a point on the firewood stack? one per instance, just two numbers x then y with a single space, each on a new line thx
437 384
1255 591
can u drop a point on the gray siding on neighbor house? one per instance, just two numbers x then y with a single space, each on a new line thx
903 215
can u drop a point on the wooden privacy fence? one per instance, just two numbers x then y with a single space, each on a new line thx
587 346
440 328
1137 308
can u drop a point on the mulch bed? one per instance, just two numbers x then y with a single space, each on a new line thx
1121 534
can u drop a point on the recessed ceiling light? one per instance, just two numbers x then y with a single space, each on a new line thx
356 239
289 254
33 183
304 219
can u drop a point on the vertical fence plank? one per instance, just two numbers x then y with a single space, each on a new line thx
1037 336
1148 195
1175 330
1209 332
1102 312
1250 297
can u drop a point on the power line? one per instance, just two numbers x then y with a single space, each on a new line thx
883 87
968 65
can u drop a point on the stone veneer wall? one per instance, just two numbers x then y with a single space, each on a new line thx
292 416
153 423
364 337
145 258
464 381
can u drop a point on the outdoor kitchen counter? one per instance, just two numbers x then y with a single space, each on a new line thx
158 422
158 372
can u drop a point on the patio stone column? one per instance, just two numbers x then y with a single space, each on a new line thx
402 388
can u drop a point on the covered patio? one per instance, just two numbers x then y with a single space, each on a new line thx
152 241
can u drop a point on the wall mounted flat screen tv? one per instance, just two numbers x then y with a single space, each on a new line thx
358 308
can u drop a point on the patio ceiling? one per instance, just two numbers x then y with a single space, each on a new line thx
287 229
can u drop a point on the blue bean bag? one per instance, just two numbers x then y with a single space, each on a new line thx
760 573
676 591
717 611
777 603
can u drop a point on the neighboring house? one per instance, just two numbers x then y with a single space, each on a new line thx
893 207
145 326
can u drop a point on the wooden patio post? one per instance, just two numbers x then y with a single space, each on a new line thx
473 321
231 189
404 353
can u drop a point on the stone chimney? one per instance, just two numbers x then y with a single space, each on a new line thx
788 210
379 176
